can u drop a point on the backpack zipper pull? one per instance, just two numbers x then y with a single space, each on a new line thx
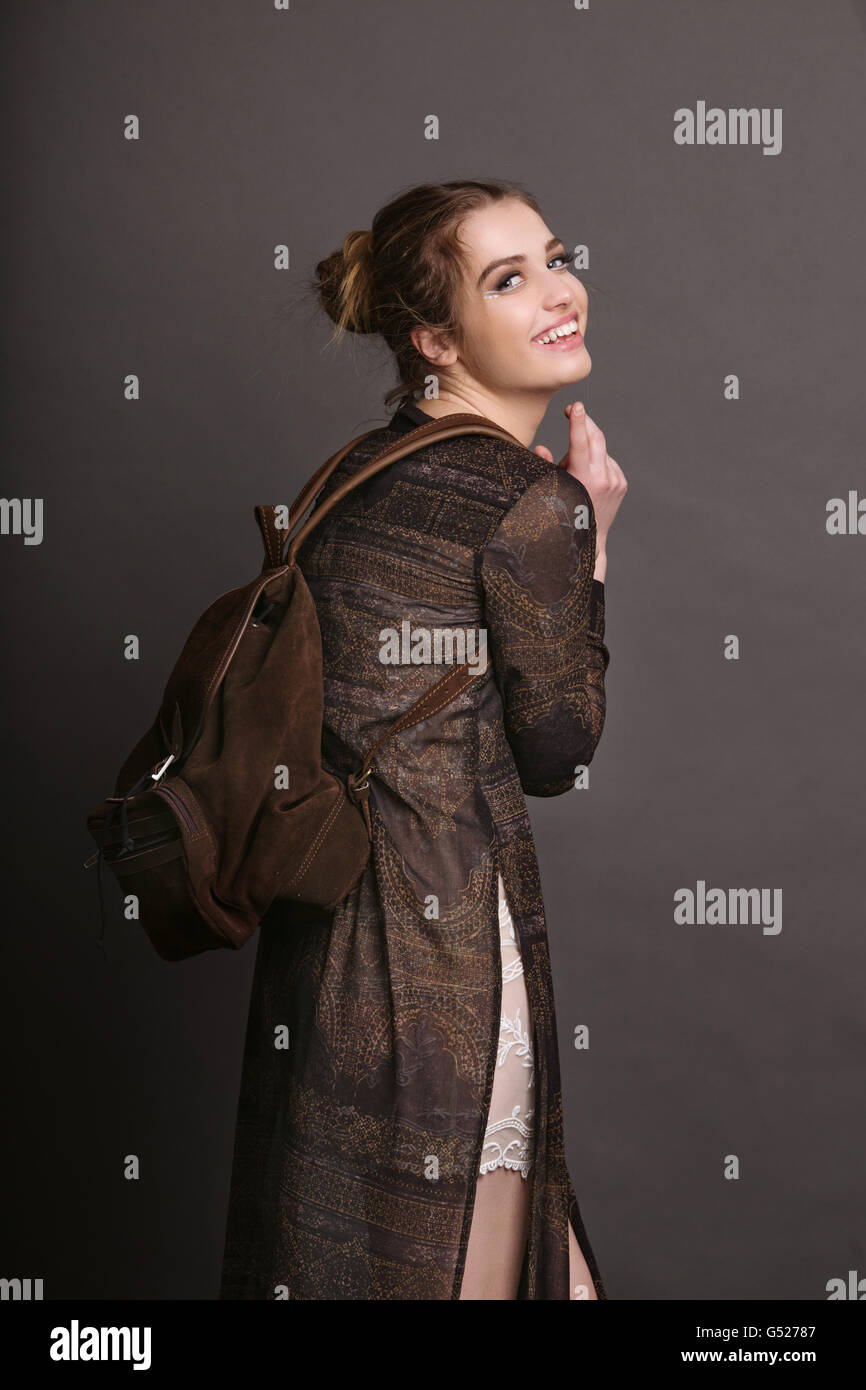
161 770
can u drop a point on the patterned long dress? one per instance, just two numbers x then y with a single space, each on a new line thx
375 1031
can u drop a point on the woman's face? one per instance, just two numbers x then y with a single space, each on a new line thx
517 287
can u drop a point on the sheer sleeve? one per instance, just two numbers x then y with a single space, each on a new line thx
544 614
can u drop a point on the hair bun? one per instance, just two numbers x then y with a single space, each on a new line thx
345 284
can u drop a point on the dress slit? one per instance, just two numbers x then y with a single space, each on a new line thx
509 1139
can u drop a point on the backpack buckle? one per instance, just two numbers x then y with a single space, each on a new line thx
354 783
359 793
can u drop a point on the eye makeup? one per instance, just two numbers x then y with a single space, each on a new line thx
518 259
503 283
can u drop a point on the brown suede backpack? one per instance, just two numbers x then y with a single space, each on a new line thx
223 806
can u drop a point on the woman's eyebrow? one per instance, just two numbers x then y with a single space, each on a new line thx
518 259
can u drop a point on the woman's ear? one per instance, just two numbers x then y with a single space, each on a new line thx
434 346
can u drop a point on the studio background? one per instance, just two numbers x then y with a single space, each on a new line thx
154 257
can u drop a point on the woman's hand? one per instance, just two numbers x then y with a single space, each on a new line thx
588 461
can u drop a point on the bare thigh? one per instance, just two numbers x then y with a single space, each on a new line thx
497 1237
497 1241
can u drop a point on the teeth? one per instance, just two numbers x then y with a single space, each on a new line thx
565 330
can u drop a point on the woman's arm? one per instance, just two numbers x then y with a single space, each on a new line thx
587 460
544 611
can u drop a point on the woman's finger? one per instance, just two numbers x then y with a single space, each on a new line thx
597 442
578 439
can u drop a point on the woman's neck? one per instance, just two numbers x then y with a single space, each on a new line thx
520 416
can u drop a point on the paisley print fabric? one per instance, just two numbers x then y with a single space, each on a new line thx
374 1031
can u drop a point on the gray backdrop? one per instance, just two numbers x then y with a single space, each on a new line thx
154 257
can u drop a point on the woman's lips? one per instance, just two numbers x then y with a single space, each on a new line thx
561 344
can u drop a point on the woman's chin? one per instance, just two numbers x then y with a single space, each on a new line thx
576 367
569 367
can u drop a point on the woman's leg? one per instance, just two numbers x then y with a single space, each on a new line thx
497 1236
497 1242
579 1278
500 1217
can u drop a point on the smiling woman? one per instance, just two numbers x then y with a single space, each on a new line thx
410 1145
512 311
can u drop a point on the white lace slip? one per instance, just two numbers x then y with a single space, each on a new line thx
508 1139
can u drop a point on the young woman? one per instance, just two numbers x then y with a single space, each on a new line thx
407 1143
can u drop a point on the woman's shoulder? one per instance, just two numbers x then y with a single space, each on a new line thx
499 468
511 467
505 460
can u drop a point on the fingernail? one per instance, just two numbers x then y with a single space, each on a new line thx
578 408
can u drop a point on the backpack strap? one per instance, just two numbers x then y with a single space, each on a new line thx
275 537
439 695
445 428
318 480
455 681
272 535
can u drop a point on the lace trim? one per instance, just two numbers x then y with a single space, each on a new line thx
522 1162
522 1165
512 1085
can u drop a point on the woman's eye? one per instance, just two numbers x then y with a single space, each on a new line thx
503 284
